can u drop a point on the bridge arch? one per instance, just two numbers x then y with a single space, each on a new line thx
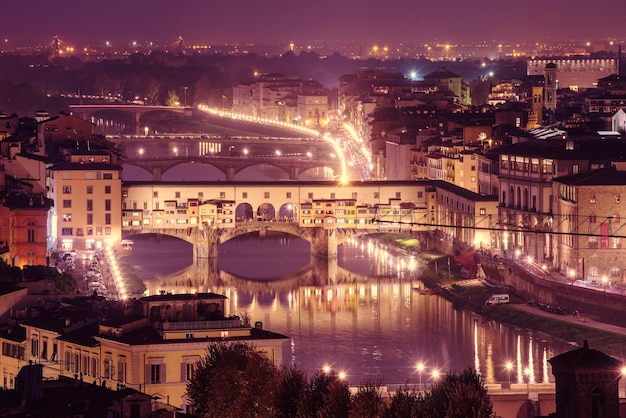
244 212
266 212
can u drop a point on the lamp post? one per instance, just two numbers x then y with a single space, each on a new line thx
420 369
509 367
185 101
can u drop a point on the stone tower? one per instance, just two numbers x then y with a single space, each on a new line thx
550 86
586 384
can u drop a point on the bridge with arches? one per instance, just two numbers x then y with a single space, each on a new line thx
206 240
135 111
231 166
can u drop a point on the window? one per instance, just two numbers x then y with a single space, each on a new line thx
615 272
89 231
34 347
121 369
332 196
108 368
67 217
376 195
89 189
155 373
107 230
67 231
44 349
288 195
222 195
615 219
398 195
189 370
98 230
310 195
266 195
90 219
67 189
155 194
420 195
67 203
592 219
31 235
107 189
617 199
107 219
107 204
177 195
593 242
89 205
107 176
482 211
244 195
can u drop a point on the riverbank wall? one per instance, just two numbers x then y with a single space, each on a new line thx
542 287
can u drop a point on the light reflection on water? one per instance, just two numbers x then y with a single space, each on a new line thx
368 322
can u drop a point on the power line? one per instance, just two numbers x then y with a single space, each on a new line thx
487 228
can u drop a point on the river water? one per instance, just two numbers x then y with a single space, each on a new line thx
364 318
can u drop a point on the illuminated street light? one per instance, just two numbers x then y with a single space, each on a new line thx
509 368
436 374
604 281
146 130
420 369
140 151
278 153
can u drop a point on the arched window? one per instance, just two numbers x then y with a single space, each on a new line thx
615 272
593 272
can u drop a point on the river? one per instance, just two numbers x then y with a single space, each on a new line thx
365 319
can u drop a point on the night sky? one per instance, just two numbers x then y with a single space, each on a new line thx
81 22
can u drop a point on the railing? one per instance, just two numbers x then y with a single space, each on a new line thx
188 325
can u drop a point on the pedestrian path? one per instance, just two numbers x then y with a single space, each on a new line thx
578 320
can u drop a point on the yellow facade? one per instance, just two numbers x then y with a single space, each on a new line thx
86 190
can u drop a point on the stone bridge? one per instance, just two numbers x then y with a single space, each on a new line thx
230 166
206 240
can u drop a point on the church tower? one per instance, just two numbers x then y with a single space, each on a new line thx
550 86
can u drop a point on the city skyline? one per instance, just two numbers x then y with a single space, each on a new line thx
365 22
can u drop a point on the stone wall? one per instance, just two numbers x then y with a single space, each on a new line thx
595 303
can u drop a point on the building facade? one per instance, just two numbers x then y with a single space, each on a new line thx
87 190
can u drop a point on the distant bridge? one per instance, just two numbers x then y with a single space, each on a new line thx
230 166
134 110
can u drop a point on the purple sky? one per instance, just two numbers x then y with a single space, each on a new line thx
28 22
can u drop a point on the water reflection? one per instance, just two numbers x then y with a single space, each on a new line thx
362 314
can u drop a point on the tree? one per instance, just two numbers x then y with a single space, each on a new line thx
405 402
460 395
327 396
233 379
368 401
290 398
172 99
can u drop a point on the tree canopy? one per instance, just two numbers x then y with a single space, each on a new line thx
235 380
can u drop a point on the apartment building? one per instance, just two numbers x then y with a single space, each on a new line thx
590 225
86 189
151 345
23 228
